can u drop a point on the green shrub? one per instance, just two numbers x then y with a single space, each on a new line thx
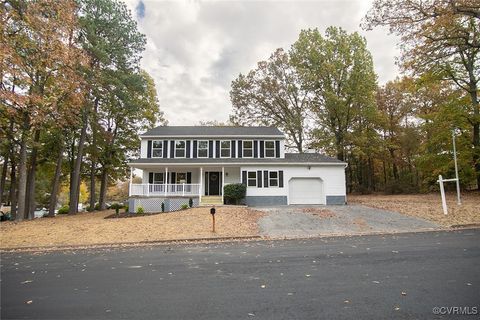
190 202
234 192
63 209
184 206
163 206
126 208
89 209
140 210
97 206
117 206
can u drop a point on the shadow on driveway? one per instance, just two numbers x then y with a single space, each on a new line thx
310 221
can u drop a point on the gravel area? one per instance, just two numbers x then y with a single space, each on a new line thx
92 228
310 221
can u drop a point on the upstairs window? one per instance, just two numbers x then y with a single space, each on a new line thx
180 149
225 149
252 178
247 148
157 148
269 149
202 151
273 178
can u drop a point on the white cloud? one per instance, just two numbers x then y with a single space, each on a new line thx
195 49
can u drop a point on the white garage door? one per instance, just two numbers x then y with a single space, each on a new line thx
306 191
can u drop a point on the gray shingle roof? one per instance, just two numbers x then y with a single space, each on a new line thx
290 158
195 131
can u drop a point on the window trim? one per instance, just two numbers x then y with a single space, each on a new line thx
229 149
152 148
248 179
265 148
243 148
198 149
176 177
277 179
184 149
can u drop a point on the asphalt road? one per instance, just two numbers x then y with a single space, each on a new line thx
363 277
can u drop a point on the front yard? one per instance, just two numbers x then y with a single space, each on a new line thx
92 228
427 206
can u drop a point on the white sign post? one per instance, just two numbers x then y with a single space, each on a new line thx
456 179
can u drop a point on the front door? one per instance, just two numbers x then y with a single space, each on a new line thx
213 181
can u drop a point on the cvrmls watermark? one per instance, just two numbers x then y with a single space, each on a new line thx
465 310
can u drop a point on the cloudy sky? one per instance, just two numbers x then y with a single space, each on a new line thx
196 48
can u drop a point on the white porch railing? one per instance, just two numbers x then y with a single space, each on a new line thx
149 189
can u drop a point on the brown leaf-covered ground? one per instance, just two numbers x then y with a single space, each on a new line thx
92 228
427 206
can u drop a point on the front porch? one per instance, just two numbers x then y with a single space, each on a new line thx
203 183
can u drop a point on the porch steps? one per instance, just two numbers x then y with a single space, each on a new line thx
209 200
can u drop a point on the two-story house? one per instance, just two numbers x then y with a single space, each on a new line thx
180 163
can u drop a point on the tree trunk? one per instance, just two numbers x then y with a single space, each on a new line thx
75 184
13 189
92 186
103 188
22 179
30 196
476 134
56 182
3 179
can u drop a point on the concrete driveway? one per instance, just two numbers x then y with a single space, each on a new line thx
311 221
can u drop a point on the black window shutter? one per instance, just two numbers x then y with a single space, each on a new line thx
210 149
262 149
232 145
217 149
149 149
265 178
280 179
188 149
150 177
172 149
244 177
173 178
194 148
165 148
255 149
277 149
259 178
240 148
189 177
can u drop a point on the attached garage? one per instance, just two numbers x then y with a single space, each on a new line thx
306 191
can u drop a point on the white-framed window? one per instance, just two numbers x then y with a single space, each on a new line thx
181 177
158 178
273 178
157 149
252 178
225 149
269 149
247 150
180 146
202 149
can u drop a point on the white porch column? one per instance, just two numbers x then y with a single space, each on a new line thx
200 186
165 180
223 181
130 185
